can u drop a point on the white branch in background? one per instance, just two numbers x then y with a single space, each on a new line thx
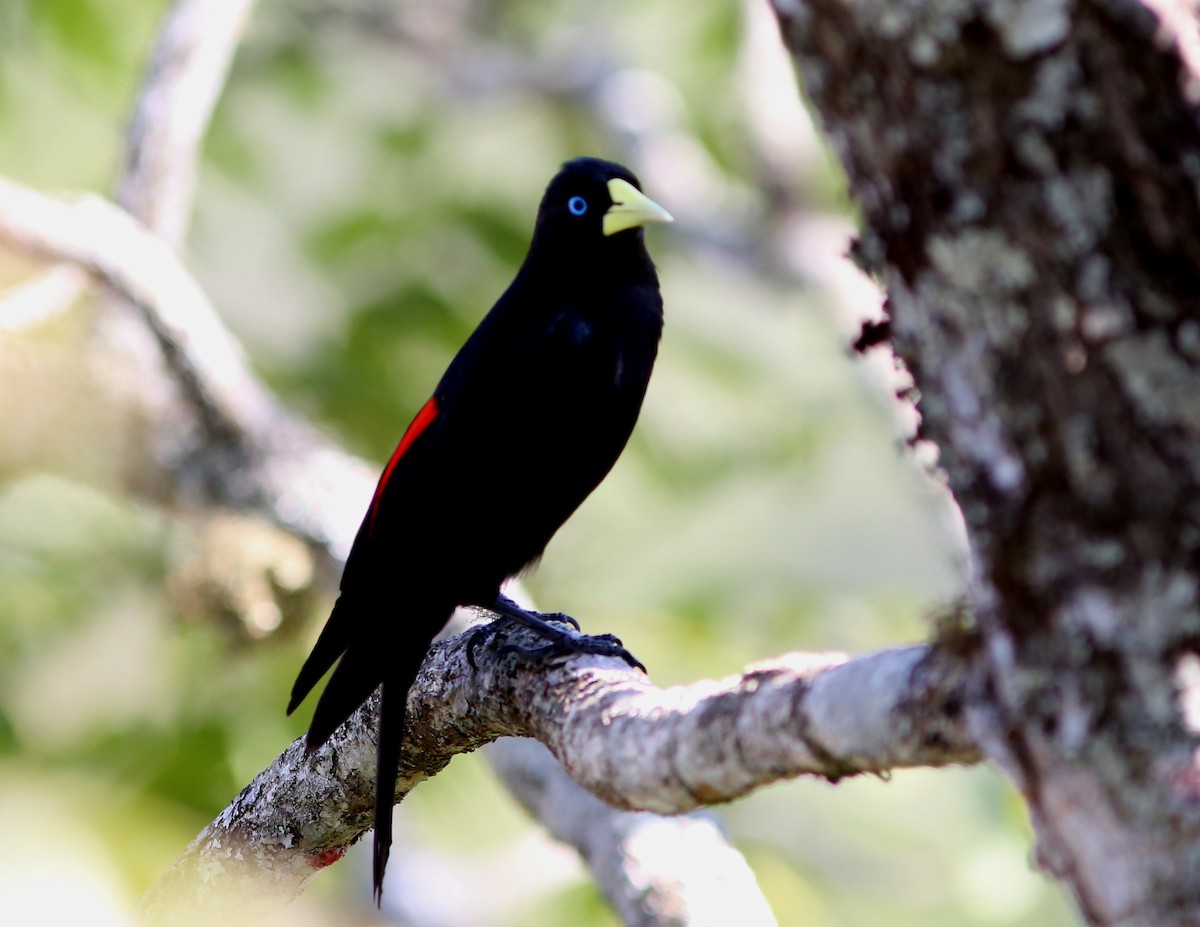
37 298
187 71
284 468
90 231
180 88
181 83
655 871
636 746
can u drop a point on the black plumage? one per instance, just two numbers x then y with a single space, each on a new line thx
527 420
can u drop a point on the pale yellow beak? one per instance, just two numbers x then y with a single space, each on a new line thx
630 208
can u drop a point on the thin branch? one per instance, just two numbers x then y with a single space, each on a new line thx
635 746
180 88
37 298
90 231
184 79
252 453
635 857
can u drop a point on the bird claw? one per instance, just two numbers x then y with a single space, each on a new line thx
480 635
609 645
560 643
561 618
604 645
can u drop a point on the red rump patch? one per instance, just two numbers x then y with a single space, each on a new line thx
327 857
424 418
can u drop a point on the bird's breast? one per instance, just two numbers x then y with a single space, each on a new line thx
573 329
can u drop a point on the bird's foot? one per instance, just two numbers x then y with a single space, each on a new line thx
484 635
605 645
481 635
560 642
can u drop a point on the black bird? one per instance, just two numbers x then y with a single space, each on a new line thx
527 420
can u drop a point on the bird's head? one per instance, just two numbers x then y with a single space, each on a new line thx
593 207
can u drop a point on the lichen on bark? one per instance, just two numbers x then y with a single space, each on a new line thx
1027 175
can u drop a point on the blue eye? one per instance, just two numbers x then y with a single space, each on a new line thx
577 205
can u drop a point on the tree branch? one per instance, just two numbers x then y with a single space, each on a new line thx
187 70
251 453
635 746
182 83
635 857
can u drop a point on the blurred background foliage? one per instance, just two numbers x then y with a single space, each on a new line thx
367 190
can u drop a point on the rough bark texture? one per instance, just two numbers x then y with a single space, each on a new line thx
635 746
1028 174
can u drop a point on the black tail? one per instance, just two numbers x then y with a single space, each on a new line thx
356 676
392 706
334 639
359 671
393 709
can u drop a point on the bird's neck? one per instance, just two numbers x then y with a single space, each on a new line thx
620 262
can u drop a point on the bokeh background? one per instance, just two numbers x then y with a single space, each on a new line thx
367 190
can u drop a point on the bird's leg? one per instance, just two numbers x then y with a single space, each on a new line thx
561 642
510 609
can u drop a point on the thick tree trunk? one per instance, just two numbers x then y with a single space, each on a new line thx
1028 174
